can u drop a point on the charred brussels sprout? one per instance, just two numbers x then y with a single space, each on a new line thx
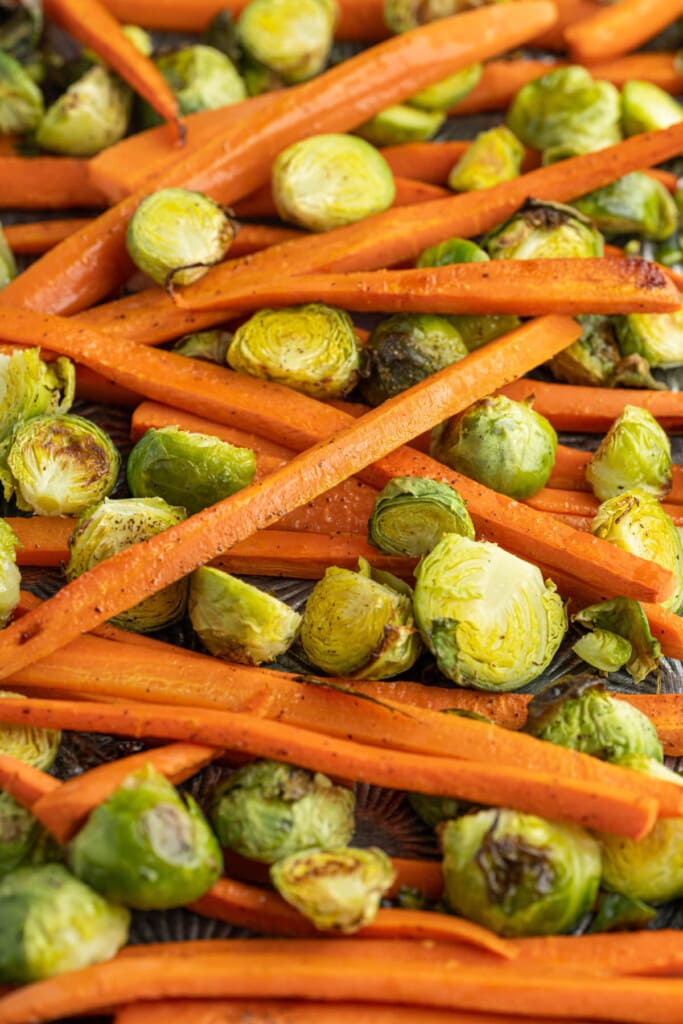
411 514
501 443
488 616
518 874
237 621
590 360
636 452
636 522
21 101
10 577
21 26
635 205
566 108
8 266
401 123
29 387
403 15
37 747
326 181
338 890
60 465
51 923
311 348
494 156
359 626
476 331
625 618
291 37
114 525
202 78
175 235
403 350
658 337
146 847
453 250
91 115
211 346
448 91
544 231
188 469
646 108
267 810
586 718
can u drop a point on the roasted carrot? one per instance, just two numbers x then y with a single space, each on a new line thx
23 782
568 12
619 28
578 503
29 601
93 387
46 182
659 68
43 539
38 237
426 161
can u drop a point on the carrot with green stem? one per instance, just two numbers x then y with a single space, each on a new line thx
618 28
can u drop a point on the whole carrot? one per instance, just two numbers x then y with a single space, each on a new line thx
618 28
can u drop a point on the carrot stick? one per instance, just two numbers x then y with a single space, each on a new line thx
659 68
619 28
568 12
41 235
93 387
577 503
153 415
46 182
29 601
43 539
426 161
665 178
23 782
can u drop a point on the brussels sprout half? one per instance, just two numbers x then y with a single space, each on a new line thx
211 346
401 123
590 360
21 101
21 26
411 514
267 810
291 37
541 230
658 337
338 890
449 91
633 205
202 78
51 923
603 650
494 156
8 266
518 874
453 250
646 108
37 747
327 181
10 577
19 832
91 115
29 387
635 452
625 618
476 331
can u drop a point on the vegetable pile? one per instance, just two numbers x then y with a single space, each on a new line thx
347 353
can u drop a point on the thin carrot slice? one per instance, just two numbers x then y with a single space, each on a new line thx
619 28
46 182
23 782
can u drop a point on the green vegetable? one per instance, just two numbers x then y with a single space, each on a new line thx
267 810
603 650
211 346
29 387
338 890
404 15
646 108
448 91
175 235
494 156
617 913
188 469
401 123
542 230
518 874
146 847
476 331
91 115
658 337
411 514
488 616
312 348
435 809
633 205
626 618
21 101
590 360
202 78
10 577
453 250
21 25
8 266
635 452
19 832
291 37
37 747
50 923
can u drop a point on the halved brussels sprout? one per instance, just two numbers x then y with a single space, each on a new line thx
29 387
584 717
147 847
633 205
403 350
636 522
91 115
338 890
541 230
590 360
494 156
476 331
603 650
566 107
202 78
658 337
488 616
239 622
647 108
10 577
50 923
61 464
267 810
211 346
411 514
312 348
635 452
501 443
626 618
140 38
8 266
453 250
188 469
327 181
19 832
403 15
401 123
292 37
21 101
34 746
175 235
114 525
518 874
258 78
356 625
449 91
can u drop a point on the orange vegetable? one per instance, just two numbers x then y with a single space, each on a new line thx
23 782
46 182
618 28
578 503
41 235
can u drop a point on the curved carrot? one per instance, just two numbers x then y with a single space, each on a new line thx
618 28
46 182
38 237
23 782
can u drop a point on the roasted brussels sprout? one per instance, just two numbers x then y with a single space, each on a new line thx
338 890
221 33
584 717
501 443
435 809
267 810
140 38
21 101
494 156
51 923
488 616
453 250
10 577
625 618
202 78
146 847
21 25
175 235
636 522
29 387
91 115
187 469
292 37
590 360
403 350
357 625
19 832
114 525
239 622
449 91
603 650
326 181
658 337
645 108
476 331
401 123
617 913
518 874
544 231
61 464
8 266
37 747
633 205
411 514
403 15
311 348
566 107
635 452
211 346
